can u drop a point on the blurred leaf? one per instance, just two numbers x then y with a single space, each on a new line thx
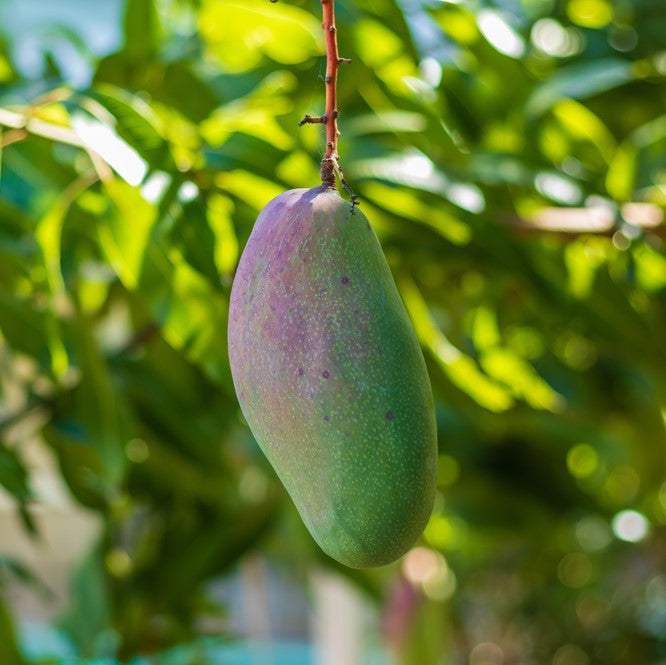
10 651
650 268
253 190
49 230
220 209
579 81
507 368
461 370
376 43
581 123
135 122
254 114
385 121
239 33
125 236
405 204
22 325
142 30
25 576
14 477
89 614
638 160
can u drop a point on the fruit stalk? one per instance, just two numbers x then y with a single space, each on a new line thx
330 165
333 61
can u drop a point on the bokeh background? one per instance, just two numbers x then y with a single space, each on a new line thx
510 155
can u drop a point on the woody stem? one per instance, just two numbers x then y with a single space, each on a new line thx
330 117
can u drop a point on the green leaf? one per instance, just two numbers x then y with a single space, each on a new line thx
509 369
11 655
239 34
142 30
125 234
101 405
193 318
14 477
88 615
253 190
398 122
255 114
638 160
579 81
582 124
461 369
23 326
20 572
48 233
408 204
219 214
136 123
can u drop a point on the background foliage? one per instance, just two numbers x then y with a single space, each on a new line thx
510 155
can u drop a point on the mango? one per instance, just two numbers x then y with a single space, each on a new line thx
331 378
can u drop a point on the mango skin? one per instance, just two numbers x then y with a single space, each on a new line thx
331 378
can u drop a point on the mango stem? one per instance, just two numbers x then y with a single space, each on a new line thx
330 163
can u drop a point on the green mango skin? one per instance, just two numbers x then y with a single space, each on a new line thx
331 378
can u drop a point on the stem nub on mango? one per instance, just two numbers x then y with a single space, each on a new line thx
331 378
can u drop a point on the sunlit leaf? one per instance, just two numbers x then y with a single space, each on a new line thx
385 121
298 169
506 367
255 114
461 369
650 268
377 44
220 209
125 234
637 159
135 121
580 81
581 123
117 153
405 204
49 231
485 332
250 188
583 258
240 33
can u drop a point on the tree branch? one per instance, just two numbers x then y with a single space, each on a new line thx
30 125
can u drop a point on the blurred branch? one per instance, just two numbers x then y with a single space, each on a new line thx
599 220
30 125
23 125
12 136
21 414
